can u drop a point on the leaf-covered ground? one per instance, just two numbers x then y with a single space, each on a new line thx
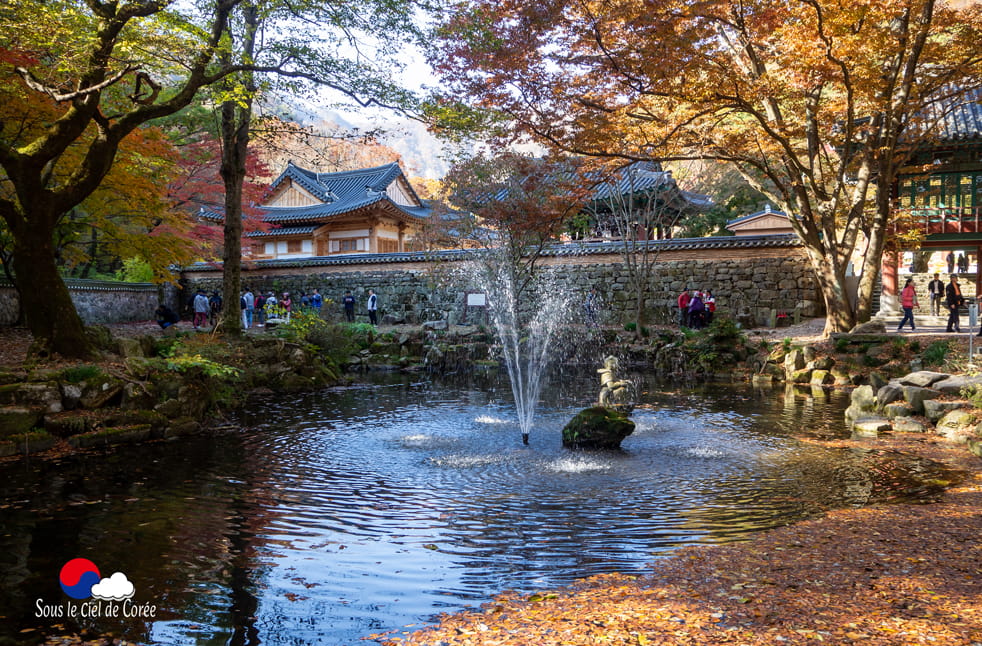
893 574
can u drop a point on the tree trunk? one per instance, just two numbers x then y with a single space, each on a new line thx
640 320
231 324
47 306
236 119
877 234
839 313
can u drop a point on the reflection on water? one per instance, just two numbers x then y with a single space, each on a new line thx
355 510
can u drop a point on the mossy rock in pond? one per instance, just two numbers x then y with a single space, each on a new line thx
68 423
107 436
32 442
17 420
597 428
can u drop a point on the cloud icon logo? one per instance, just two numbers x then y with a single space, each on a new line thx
77 578
115 588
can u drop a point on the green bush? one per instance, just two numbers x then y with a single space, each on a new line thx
78 374
336 341
632 326
186 363
302 323
723 329
935 354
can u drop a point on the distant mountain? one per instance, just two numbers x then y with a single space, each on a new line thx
423 155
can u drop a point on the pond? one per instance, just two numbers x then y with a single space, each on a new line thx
325 517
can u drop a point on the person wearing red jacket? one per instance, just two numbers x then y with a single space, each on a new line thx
684 308
908 301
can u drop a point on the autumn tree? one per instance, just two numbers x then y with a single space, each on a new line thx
821 99
92 77
98 71
199 191
516 204
324 146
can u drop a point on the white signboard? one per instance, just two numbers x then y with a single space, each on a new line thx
477 300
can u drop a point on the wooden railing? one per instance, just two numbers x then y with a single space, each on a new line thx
947 220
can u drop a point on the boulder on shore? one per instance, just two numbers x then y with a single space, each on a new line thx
598 427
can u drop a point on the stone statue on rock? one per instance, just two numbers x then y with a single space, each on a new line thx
612 390
605 425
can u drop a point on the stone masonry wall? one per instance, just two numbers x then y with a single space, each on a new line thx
96 301
745 288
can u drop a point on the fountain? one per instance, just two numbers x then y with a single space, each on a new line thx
526 309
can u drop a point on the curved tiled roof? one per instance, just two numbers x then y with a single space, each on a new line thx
341 192
283 231
960 118
570 249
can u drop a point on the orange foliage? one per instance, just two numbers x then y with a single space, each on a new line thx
816 102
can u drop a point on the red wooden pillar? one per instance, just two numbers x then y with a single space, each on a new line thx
889 282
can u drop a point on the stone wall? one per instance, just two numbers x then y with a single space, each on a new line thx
96 301
746 287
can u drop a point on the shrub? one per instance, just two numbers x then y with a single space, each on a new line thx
632 326
336 341
78 374
302 323
935 354
185 363
723 329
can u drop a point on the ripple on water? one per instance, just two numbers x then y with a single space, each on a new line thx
488 419
424 441
578 464
344 512
461 461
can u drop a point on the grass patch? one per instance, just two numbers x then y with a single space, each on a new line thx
78 374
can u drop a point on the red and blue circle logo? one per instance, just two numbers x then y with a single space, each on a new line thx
77 578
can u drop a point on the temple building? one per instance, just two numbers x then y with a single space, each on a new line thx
641 198
941 191
370 210
766 222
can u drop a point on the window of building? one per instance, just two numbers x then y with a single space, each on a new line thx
386 245
294 246
349 244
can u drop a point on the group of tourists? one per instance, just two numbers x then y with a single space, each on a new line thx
958 263
950 295
348 303
262 309
696 308
259 309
